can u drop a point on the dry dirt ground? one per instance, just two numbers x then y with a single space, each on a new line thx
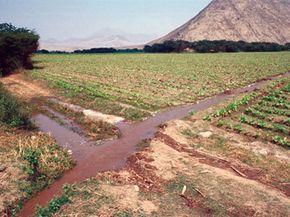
25 89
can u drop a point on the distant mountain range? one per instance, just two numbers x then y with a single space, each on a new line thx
247 20
103 38
234 20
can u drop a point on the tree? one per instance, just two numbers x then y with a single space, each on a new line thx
16 47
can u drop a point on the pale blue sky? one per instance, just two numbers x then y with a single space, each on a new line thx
82 18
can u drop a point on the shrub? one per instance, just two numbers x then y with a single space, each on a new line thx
12 113
16 47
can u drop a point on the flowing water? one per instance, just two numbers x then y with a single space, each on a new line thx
110 155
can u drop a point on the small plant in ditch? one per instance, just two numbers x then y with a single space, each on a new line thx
56 203
32 157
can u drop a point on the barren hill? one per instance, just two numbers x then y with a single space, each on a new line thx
247 20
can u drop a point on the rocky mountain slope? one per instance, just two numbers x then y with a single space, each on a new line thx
247 20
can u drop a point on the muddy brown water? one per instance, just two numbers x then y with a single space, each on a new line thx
111 155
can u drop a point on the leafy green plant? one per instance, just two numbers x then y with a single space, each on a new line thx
281 141
32 156
238 128
221 123
286 88
12 113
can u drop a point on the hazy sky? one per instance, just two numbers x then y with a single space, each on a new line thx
82 18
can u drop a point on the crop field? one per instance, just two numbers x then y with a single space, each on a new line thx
259 115
152 82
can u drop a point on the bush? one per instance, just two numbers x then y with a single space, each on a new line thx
16 47
12 113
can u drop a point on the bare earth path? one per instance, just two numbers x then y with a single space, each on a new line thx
24 89
113 155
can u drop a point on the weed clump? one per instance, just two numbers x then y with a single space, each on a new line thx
12 113
32 157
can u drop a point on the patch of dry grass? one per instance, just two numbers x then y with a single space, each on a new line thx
16 184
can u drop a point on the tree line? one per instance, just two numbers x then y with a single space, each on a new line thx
207 46
92 51
16 47
204 46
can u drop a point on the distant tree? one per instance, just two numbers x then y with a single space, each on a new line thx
16 47
42 51
97 50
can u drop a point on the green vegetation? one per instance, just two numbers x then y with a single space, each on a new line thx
206 46
266 117
12 113
32 156
232 107
150 82
31 160
16 48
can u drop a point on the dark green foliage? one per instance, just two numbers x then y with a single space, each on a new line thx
12 113
42 51
107 50
16 47
32 156
179 46
168 47
206 46
287 45
97 50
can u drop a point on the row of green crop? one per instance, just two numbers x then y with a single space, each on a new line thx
265 116
232 107
258 123
269 113
242 129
